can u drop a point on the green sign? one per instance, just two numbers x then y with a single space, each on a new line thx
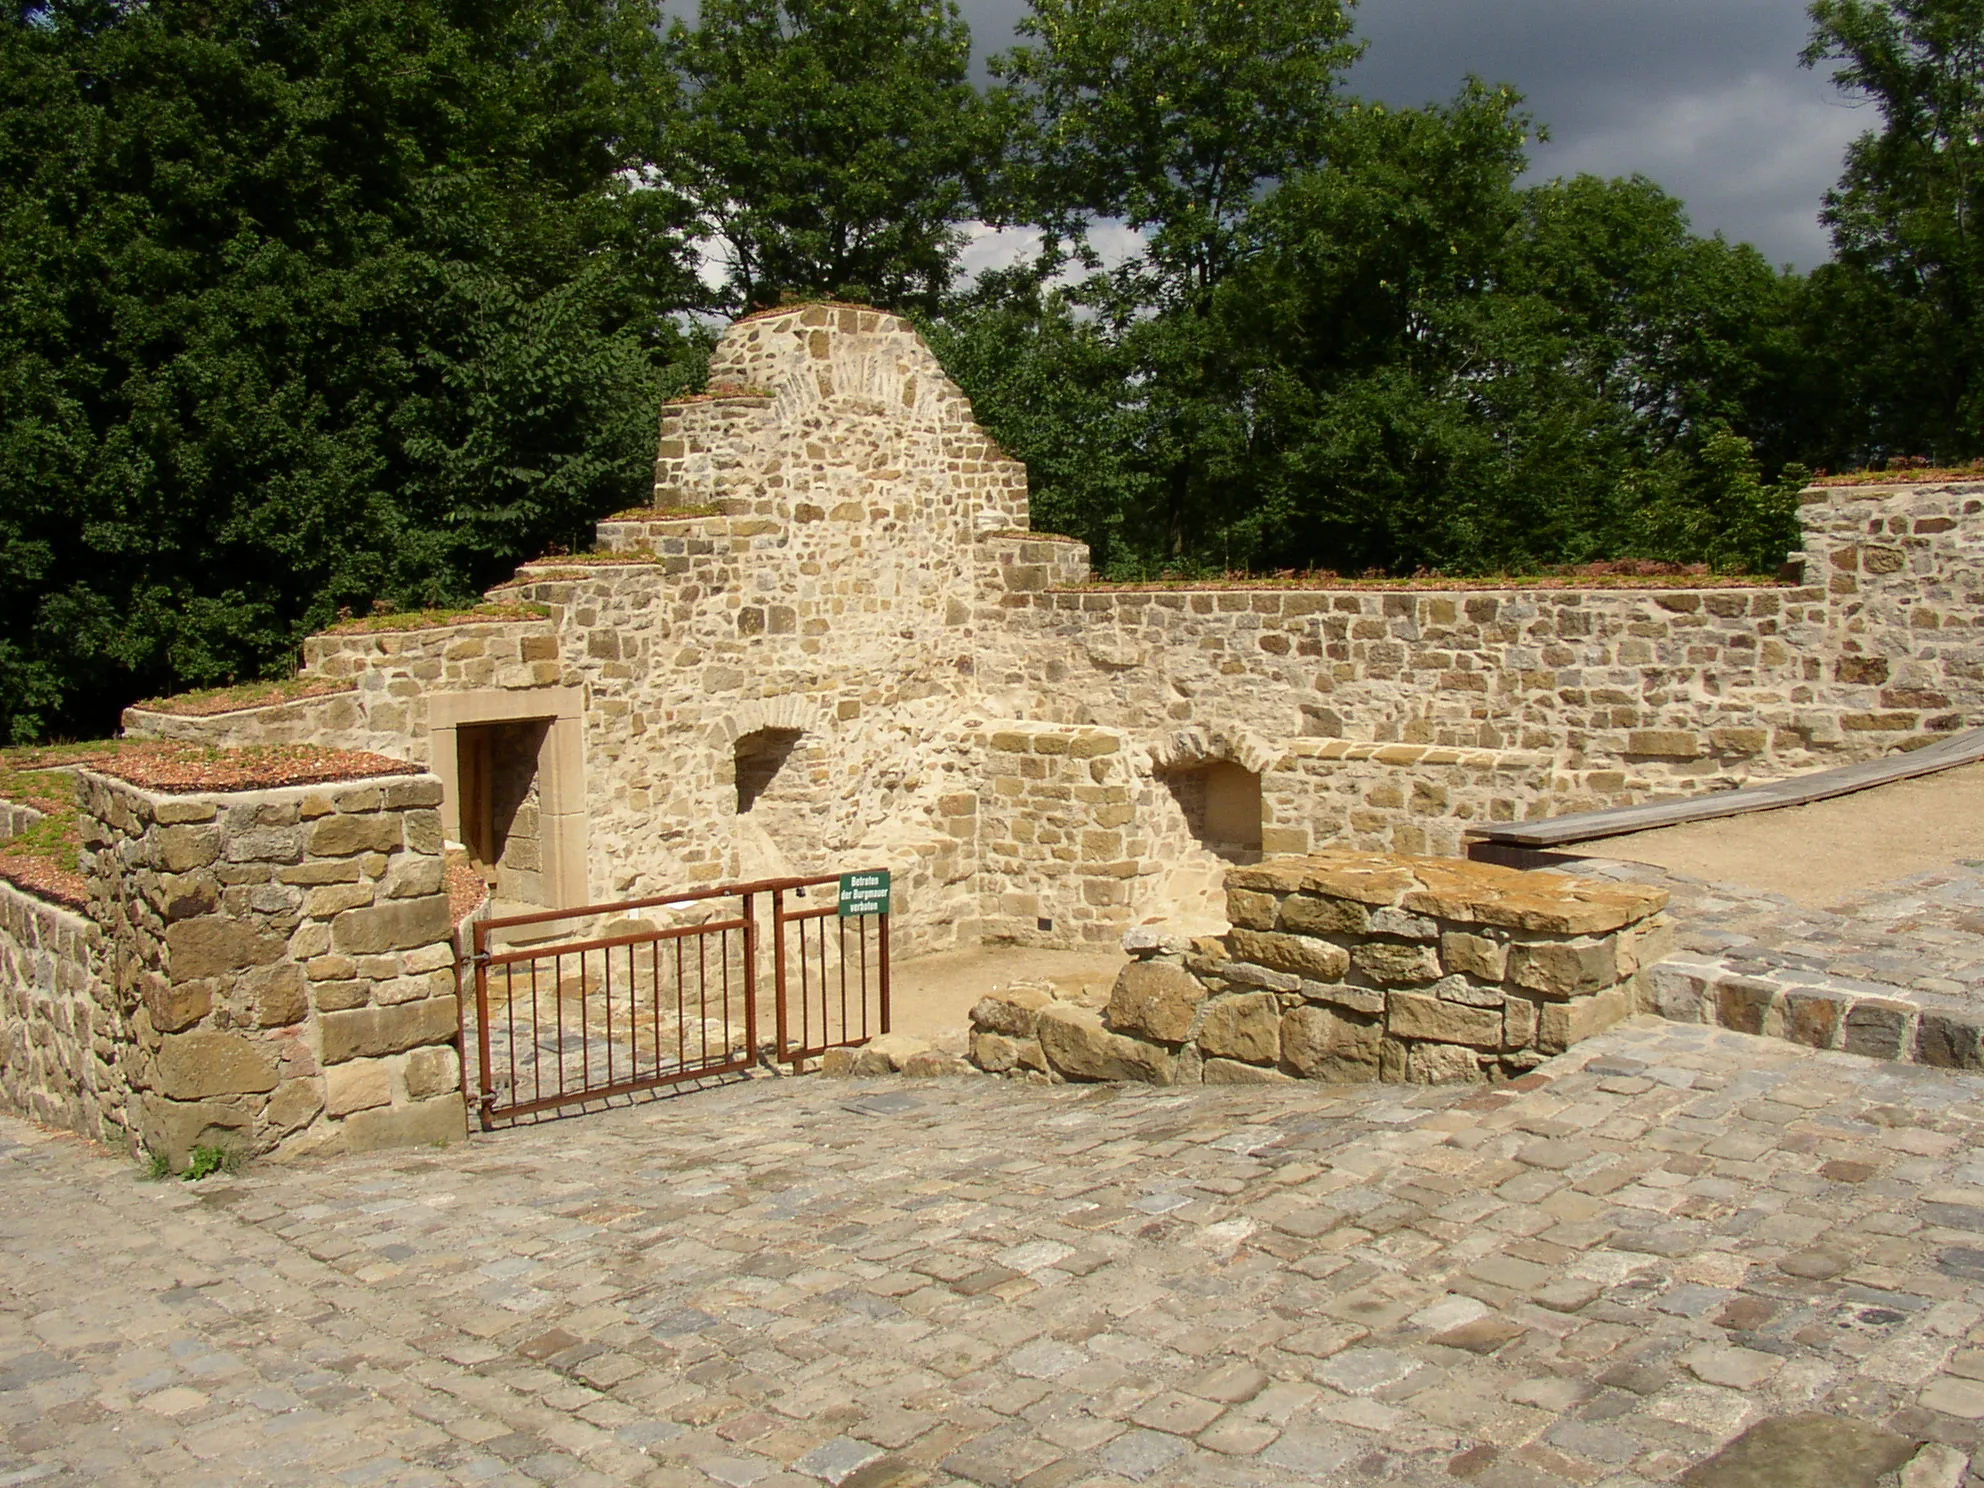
864 893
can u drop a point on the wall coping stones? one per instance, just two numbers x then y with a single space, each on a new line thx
1456 889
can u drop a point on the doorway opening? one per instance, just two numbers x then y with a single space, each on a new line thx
502 805
1221 804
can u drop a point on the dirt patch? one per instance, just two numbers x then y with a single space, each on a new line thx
1825 853
932 996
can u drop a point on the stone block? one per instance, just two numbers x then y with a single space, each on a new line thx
1442 1064
1742 1004
357 1085
1474 955
172 1129
1246 1027
1319 1043
1393 965
1305 914
1562 1024
295 1104
1078 1047
401 925
1664 743
997 1053
1234 1072
328 900
1158 999
1565 968
421 1124
1413 1015
1012 1011
1813 1017
1950 1040
278 993
1298 955
1366 1000
362 1033
345 836
195 1066
1878 1028
1251 908
181 849
1403 925
886 1053
177 1005
1680 993
214 946
1518 1023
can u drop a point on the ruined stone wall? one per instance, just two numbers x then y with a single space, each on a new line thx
51 1011
837 550
1903 570
1351 966
278 967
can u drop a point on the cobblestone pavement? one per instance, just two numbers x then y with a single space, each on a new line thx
1598 1277
1920 937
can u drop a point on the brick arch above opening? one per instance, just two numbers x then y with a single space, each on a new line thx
1195 746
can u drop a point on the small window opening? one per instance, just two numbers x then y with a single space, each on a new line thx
760 757
1222 806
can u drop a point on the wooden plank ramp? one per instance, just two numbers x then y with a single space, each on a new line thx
1799 790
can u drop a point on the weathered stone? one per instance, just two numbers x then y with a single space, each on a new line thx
1393 965
172 1129
1367 1000
1305 914
432 1071
1813 1017
214 945
344 836
1244 1026
1562 1024
1251 909
1234 1072
425 1123
401 925
1564 968
295 1104
934 1064
1413 1015
1319 1043
1474 955
884 1054
1403 925
1877 1028
997 1053
1155 998
357 1085
1799 1451
1079 1047
279 993
177 1005
1453 988
372 1032
1298 955
194 1066
1012 1011
181 849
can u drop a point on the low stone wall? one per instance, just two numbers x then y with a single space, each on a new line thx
1353 967
280 967
51 1011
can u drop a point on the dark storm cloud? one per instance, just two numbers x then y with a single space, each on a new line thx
1704 96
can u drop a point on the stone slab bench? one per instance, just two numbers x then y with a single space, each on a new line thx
1799 790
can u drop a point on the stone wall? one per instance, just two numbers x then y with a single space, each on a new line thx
1354 967
278 967
52 1010
837 550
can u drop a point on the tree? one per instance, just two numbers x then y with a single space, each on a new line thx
834 147
1904 294
304 307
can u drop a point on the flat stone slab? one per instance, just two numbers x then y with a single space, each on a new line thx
1804 1451
1599 1275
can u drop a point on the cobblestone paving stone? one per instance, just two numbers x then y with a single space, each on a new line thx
1597 1276
1922 936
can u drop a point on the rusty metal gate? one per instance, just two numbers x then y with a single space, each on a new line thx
579 1006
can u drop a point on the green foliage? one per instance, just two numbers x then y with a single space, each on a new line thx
204 1162
158 1167
1900 306
304 306
834 147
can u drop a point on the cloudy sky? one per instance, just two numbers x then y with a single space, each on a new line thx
1704 96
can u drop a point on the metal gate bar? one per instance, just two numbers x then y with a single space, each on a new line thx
588 1020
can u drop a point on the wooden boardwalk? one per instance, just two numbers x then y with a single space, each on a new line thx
1799 790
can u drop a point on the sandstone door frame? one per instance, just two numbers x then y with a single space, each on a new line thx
561 778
